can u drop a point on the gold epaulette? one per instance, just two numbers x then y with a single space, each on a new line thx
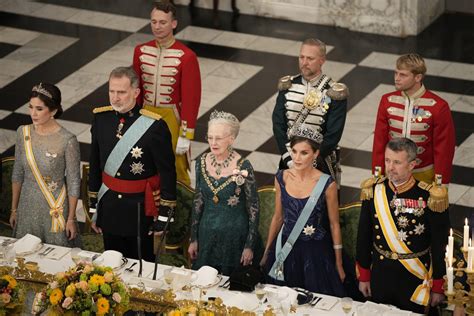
284 83
103 109
367 187
439 198
338 91
150 111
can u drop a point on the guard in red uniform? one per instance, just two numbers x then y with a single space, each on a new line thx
418 114
170 80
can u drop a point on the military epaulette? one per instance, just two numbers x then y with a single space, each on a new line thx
103 109
367 187
439 198
150 111
284 83
338 91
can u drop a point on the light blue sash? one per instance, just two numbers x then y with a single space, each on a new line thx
122 149
281 253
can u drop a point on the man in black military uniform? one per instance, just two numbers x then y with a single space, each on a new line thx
403 231
131 168
315 100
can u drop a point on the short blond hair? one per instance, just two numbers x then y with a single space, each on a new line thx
412 62
318 43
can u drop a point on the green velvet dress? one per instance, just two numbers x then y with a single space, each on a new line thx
225 222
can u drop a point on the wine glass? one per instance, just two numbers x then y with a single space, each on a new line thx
168 276
346 304
75 255
260 293
9 254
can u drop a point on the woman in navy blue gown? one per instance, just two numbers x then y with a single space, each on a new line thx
315 260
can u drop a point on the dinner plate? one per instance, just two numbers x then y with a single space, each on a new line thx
30 252
216 281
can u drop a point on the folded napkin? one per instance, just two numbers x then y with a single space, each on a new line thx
370 309
242 301
27 243
110 258
327 302
206 276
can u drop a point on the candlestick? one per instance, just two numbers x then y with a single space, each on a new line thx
465 235
470 255
450 248
450 276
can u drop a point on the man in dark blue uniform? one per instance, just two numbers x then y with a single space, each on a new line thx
313 99
132 174
403 232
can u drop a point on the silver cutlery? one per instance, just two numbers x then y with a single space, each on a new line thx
130 269
46 251
226 284
315 300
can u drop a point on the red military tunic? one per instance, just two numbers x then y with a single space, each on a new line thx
426 119
170 80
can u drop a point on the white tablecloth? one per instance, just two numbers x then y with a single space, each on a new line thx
230 298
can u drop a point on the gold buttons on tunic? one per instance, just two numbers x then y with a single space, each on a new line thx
377 226
119 196
381 257
408 242
413 221
378 236
375 215
118 174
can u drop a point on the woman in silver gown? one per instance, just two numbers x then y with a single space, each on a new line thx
46 175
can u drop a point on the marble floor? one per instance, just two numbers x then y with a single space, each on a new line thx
76 43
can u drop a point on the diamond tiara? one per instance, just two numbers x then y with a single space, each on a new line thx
308 133
223 115
39 88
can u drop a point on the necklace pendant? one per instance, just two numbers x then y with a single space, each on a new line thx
215 199
218 171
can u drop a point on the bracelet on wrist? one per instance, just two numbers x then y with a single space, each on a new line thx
72 220
13 210
336 247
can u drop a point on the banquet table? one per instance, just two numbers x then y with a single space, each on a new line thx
59 260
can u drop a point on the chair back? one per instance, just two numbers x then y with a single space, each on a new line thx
349 220
6 188
266 195
180 229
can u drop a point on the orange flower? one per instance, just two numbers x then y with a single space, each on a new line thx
56 296
102 306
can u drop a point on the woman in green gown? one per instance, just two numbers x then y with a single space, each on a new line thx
225 216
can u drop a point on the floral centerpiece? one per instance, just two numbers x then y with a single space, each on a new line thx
83 290
11 296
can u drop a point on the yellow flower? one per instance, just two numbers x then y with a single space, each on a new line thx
70 290
102 306
56 296
11 281
97 279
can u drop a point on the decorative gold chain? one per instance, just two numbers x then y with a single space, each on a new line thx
215 190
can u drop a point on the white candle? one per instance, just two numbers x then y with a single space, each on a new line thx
465 235
446 256
450 279
450 248
470 255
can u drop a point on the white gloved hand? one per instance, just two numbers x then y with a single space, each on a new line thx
290 164
182 146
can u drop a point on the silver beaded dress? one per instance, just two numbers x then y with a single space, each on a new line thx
58 159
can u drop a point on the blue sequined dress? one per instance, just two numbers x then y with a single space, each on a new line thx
311 263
